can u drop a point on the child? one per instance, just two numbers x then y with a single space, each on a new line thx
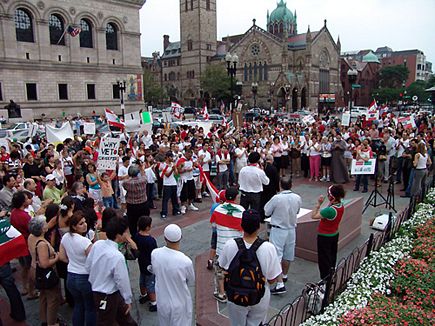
146 244
107 191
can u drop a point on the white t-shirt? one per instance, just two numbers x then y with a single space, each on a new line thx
206 158
222 167
242 160
122 171
75 246
167 181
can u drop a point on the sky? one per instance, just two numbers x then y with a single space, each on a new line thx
361 24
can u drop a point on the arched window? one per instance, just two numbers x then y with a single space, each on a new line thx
260 71
23 25
207 4
255 71
266 71
86 34
111 37
250 71
245 72
56 28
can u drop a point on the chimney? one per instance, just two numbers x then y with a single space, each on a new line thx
165 42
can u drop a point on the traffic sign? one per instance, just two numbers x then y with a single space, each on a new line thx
415 98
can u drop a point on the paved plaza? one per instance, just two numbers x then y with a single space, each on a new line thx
195 243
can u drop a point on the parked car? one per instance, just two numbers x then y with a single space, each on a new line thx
189 113
215 111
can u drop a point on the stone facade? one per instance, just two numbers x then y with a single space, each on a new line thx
289 70
46 64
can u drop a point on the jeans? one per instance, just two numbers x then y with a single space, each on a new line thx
81 290
109 202
399 169
170 192
411 180
364 179
150 194
7 281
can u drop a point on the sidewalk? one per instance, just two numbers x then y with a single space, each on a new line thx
195 244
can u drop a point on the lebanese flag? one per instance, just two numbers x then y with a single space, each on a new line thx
12 243
204 113
228 215
113 120
225 123
373 106
214 192
373 113
176 110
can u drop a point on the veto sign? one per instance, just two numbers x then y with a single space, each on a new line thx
362 167
108 155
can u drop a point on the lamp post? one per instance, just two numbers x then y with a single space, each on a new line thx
254 88
122 87
232 61
352 75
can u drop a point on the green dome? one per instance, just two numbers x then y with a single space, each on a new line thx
281 14
370 57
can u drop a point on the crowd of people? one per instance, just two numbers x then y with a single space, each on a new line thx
55 195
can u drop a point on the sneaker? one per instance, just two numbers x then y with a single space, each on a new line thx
222 298
193 207
163 216
153 308
323 179
210 264
183 209
328 179
284 279
143 299
276 291
177 213
205 194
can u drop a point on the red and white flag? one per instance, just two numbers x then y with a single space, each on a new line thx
373 106
214 192
176 110
222 106
225 123
12 243
228 215
113 119
204 113
373 111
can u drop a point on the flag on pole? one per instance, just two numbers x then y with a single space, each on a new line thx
225 123
113 120
176 110
204 113
73 31
214 193
12 243
222 106
373 111
373 106
147 118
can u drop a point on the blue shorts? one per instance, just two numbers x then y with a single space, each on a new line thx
284 242
148 282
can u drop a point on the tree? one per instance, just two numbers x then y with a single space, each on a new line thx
153 92
393 76
418 88
431 82
387 95
216 82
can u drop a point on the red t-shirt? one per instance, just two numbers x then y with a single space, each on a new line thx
330 221
20 220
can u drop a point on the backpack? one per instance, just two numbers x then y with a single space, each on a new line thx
244 280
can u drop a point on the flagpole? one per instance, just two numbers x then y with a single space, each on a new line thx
63 34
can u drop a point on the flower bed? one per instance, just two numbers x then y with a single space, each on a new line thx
395 285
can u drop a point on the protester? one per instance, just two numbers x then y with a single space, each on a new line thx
327 237
251 314
168 172
421 162
339 172
364 153
174 273
109 277
283 209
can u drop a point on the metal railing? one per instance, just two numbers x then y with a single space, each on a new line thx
326 291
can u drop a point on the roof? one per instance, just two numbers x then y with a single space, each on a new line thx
281 14
172 51
299 40
370 57
406 52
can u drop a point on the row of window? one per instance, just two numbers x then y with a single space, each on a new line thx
186 4
57 29
63 94
256 72
172 76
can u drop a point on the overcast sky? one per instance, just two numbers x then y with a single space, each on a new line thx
361 24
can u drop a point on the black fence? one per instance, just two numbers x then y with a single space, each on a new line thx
315 297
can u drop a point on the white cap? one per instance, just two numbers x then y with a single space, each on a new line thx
50 177
172 233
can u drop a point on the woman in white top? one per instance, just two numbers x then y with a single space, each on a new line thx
74 248
59 173
241 154
285 155
421 162
314 149
277 150
326 155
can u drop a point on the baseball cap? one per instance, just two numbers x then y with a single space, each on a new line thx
172 233
50 177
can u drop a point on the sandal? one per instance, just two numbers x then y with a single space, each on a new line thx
222 298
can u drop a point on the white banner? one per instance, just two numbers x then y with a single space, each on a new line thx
89 128
58 135
345 119
33 128
308 120
132 121
362 167
108 154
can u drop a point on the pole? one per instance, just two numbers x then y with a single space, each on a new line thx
122 105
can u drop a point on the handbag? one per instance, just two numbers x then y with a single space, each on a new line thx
45 278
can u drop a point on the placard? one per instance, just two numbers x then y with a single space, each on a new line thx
132 121
58 135
308 120
407 122
89 128
362 167
167 117
5 142
345 119
108 155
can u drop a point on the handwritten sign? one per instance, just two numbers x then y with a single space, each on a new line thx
345 119
362 167
89 128
108 155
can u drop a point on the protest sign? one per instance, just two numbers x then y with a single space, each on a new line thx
345 119
5 142
58 135
407 122
132 121
308 120
108 154
167 117
33 128
147 117
362 167
89 128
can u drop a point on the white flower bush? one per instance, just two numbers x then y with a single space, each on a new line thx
376 272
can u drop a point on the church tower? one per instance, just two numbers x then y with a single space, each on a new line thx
198 36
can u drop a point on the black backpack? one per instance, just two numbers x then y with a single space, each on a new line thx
244 281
